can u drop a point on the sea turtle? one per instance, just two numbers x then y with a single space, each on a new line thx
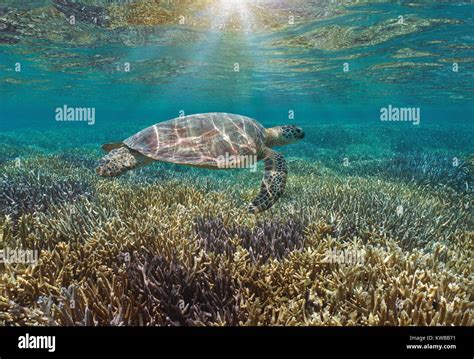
209 140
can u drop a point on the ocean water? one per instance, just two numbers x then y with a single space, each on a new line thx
175 69
332 68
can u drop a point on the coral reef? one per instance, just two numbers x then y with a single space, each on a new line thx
429 169
138 250
265 241
170 293
22 193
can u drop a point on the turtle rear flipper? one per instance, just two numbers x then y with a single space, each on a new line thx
273 183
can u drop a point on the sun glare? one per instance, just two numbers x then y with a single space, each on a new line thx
235 2
236 13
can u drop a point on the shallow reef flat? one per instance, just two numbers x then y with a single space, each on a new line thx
167 245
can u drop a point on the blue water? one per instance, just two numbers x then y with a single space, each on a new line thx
191 69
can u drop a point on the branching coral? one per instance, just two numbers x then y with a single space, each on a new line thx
172 294
138 250
423 168
265 241
35 192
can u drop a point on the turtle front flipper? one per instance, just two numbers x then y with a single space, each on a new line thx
273 183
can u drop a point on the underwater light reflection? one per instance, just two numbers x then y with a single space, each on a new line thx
236 9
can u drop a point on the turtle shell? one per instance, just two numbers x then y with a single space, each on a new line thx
199 140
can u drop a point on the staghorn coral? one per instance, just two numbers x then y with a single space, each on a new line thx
390 288
35 192
429 169
139 251
74 158
170 293
268 240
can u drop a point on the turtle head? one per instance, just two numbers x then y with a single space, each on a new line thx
283 135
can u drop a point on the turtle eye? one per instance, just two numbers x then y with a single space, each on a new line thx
299 132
